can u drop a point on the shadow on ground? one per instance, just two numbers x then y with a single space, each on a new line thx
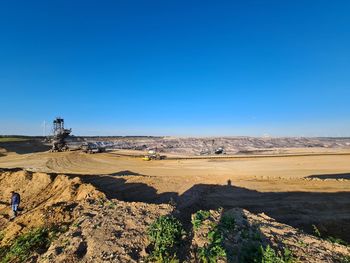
24 147
330 212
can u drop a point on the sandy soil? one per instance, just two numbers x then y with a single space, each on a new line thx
99 229
297 190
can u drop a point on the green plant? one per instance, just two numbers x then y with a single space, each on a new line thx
3 251
316 231
76 224
101 202
214 249
34 241
302 243
258 254
250 253
227 222
245 234
268 255
256 236
345 259
199 217
288 256
165 234
337 241
111 204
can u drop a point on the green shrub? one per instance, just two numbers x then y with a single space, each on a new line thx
227 222
316 231
288 256
258 254
165 234
251 253
345 259
337 241
35 241
214 250
199 217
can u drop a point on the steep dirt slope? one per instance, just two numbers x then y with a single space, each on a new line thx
98 228
250 231
45 199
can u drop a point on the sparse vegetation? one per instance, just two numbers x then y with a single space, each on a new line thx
165 234
111 204
35 241
214 249
316 231
268 255
337 241
255 250
227 222
345 259
253 253
13 139
331 239
199 217
76 224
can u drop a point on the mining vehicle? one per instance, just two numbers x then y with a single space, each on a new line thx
208 150
219 150
60 133
153 155
92 148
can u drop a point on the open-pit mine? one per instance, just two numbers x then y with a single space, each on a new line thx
288 194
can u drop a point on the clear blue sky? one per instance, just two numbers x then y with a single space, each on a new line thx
176 67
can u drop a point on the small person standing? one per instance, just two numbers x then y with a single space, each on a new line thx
15 200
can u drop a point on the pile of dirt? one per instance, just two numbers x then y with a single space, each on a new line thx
111 231
46 199
96 229
249 233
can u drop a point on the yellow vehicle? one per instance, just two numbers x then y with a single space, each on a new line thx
146 158
152 155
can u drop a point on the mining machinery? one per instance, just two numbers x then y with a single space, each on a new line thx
60 134
153 155
213 149
90 147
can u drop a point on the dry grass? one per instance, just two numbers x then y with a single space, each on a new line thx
12 139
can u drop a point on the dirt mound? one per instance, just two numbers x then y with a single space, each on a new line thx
45 199
248 237
112 231
97 229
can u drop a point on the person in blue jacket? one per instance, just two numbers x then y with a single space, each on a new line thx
15 200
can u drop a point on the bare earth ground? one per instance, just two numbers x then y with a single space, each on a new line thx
297 186
297 190
110 230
